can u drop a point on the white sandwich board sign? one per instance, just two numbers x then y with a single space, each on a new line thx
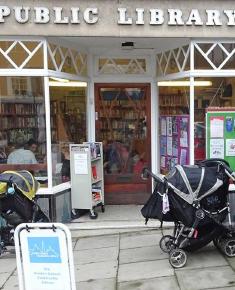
44 257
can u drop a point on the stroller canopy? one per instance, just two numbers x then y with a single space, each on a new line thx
193 183
23 180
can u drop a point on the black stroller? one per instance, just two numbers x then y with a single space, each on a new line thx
17 204
196 199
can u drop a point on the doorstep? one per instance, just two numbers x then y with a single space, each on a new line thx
115 219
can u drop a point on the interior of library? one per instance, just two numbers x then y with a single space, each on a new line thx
141 112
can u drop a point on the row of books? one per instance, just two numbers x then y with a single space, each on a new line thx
95 150
22 109
96 195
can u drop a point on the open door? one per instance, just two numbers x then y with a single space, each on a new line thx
123 125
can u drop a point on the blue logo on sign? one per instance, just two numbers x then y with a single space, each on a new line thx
44 249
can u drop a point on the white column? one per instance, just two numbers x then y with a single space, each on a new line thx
90 101
154 128
191 122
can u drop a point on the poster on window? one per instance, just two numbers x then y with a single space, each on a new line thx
217 148
230 147
217 127
169 126
163 126
169 146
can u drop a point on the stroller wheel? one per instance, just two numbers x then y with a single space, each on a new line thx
177 258
228 247
166 243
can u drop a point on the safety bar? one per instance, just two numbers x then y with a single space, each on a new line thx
146 172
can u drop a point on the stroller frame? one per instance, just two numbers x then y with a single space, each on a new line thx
223 236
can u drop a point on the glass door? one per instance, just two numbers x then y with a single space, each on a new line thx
123 125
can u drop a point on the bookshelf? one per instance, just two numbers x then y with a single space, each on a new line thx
25 117
173 104
87 181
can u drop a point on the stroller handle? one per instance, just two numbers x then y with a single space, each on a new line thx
146 172
8 182
222 162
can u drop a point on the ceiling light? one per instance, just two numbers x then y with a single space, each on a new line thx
68 84
184 83
59 80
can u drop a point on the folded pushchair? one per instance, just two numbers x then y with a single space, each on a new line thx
17 204
196 199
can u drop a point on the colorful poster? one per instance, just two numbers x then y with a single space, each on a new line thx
216 127
184 132
183 156
230 147
163 126
169 146
175 147
163 161
217 148
169 126
163 145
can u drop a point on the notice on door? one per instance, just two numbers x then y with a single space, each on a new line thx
80 163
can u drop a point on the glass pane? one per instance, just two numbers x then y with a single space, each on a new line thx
174 125
18 54
217 101
122 128
68 125
22 125
36 61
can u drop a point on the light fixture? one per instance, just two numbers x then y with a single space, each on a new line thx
68 84
59 80
184 83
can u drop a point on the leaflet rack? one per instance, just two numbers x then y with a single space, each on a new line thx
87 182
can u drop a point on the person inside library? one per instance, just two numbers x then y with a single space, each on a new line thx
32 145
65 170
21 155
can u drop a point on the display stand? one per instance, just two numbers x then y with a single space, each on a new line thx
87 182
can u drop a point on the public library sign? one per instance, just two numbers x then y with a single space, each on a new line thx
117 18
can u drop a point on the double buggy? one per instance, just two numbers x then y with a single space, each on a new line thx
17 204
196 199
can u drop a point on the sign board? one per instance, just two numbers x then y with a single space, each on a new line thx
44 257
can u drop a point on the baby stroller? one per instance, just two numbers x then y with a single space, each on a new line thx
196 199
17 204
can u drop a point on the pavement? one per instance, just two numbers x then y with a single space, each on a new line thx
131 259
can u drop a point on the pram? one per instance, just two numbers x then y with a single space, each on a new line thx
196 199
17 204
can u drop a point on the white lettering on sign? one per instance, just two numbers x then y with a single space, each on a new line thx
41 15
123 18
4 11
91 15
22 14
231 17
156 17
137 16
213 18
194 18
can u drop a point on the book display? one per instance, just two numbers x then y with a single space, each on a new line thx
87 182
173 104
174 141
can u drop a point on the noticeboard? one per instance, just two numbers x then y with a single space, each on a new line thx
220 135
44 257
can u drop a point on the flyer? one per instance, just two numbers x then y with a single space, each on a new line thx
169 146
169 126
163 161
217 127
230 147
217 148
163 126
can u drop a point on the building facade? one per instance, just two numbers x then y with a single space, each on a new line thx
140 76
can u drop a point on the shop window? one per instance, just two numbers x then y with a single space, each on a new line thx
68 125
215 120
21 54
174 126
22 119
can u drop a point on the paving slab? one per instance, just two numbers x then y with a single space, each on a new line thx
97 242
95 255
106 284
151 253
96 271
7 263
144 270
3 278
206 278
203 259
164 283
139 240
231 262
11 284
